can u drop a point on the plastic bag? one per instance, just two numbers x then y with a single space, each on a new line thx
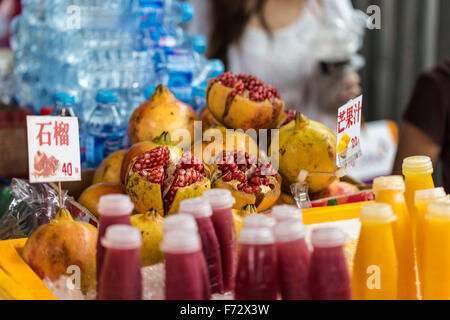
33 205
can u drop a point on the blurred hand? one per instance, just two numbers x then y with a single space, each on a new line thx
350 88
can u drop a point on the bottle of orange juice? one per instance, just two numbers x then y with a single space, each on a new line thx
436 253
422 199
375 269
390 189
417 171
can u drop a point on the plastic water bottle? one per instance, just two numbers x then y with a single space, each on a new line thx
65 107
105 129
160 12
162 36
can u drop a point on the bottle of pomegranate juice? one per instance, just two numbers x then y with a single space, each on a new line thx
259 221
201 210
329 277
186 222
112 209
120 278
221 202
185 266
293 260
256 277
286 212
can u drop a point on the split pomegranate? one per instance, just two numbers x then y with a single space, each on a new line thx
157 179
44 166
250 181
244 101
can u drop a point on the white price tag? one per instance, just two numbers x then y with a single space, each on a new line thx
53 149
348 133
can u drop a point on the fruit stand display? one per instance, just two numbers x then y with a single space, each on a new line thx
155 178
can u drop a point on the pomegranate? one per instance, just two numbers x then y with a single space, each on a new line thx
90 196
158 179
249 181
141 147
150 224
239 216
162 112
43 165
308 145
289 115
244 101
109 169
63 242
208 120
337 188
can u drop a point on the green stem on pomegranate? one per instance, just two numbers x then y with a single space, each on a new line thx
301 121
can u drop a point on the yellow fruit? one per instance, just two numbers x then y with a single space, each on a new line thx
306 145
90 196
62 243
109 169
150 224
162 112
239 216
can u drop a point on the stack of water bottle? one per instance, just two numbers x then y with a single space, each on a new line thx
106 56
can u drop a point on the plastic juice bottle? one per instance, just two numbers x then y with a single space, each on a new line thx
390 189
112 209
436 253
201 210
186 223
259 221
422 199
375 269
121 274
293 260
286 212
221 202
328 275
257 277
418 176
184 265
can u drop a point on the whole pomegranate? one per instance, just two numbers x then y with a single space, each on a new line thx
239 216
157 179
63 242
208 120
90 196
244 101
308 145
162 112
150 224
249 181
109 169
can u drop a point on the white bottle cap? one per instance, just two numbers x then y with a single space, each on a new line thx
289 230
122 236
259 221
115 205
388 183
198 207
377 213
428 195
287 212
219 198
417 165
327 237
439 210
181 221
179 241
258 236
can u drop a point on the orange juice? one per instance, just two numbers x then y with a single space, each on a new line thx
375 271
390 189
436 253
422 199
417 171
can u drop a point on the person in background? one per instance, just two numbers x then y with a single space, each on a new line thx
271 40
426 121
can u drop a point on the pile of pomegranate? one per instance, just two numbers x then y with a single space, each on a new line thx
45 166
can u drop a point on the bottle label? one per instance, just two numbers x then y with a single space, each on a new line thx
98 148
